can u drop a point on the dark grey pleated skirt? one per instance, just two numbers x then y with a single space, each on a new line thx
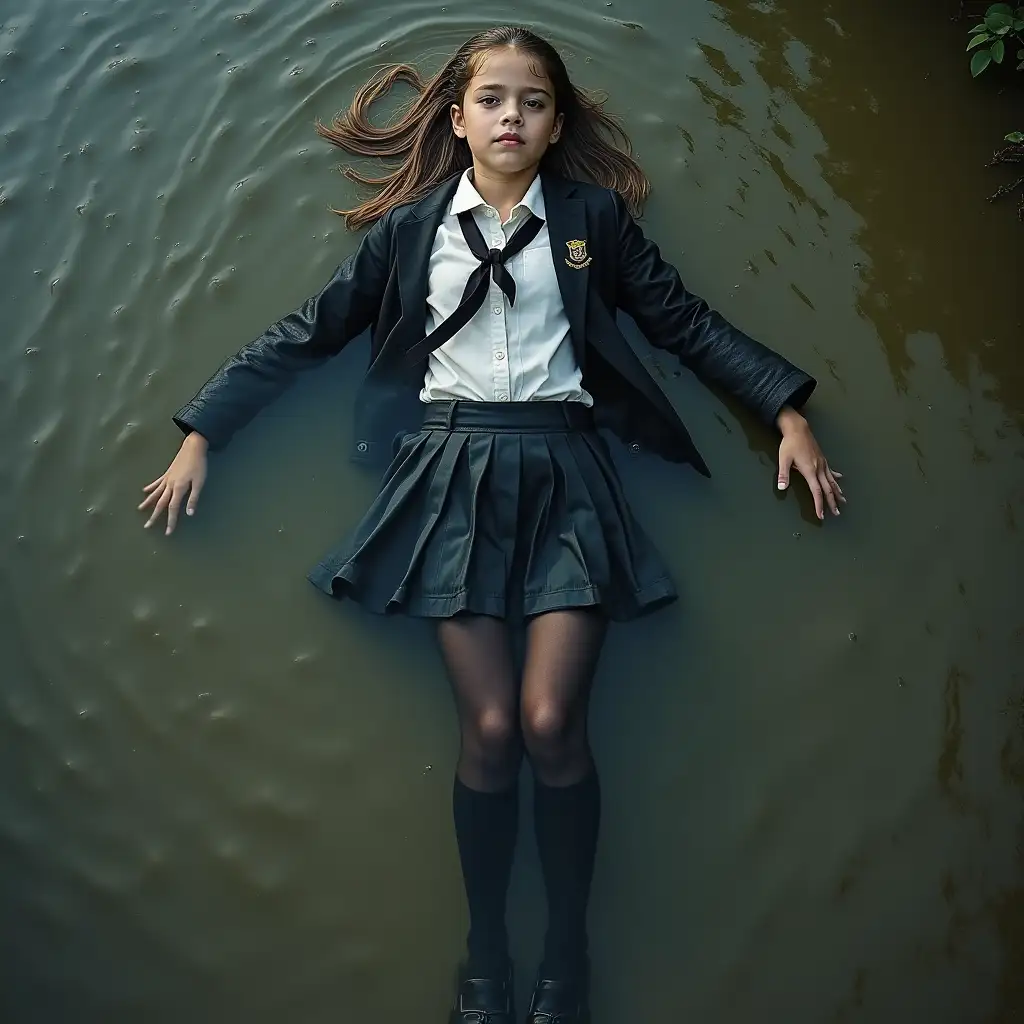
504 509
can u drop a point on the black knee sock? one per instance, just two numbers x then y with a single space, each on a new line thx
485 827
566 819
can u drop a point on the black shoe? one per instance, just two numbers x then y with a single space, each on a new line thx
484 1000
559 1002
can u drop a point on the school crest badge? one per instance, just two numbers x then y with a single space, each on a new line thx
578 258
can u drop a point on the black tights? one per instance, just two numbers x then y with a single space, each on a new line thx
543 713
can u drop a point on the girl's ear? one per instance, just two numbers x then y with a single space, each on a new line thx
556 131
458 121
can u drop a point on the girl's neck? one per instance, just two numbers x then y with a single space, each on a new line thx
502 192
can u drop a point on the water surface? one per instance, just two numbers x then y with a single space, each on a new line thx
226 798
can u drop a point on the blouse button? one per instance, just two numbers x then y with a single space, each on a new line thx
499 355
503 397
362 446
497 309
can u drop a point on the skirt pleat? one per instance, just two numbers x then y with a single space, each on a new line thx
502 523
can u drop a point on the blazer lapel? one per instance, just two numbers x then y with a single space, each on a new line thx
571 251
413 241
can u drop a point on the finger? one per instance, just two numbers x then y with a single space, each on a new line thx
153 497
175 505
812 482
193 498
158 510
156 483
827 492
835 472
835 484
785 464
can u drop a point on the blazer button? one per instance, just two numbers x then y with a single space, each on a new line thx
635 448
362 447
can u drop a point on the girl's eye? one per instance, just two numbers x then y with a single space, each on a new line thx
489 101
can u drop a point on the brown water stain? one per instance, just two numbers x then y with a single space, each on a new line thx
719 63
893 299
951 766
727 113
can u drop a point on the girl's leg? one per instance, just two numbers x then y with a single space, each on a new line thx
485 802
562 651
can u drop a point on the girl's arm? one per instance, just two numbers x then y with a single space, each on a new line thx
650 290
318 329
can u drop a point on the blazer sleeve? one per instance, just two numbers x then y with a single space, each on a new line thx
671 318
319 329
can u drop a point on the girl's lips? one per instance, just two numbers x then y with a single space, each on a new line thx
510 140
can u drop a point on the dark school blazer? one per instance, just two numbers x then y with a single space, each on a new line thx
603 264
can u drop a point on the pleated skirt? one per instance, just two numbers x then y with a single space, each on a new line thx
501 509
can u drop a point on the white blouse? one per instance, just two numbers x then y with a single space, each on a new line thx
520 353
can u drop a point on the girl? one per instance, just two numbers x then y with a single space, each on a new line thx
490 280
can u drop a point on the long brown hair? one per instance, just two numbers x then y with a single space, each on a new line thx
592 144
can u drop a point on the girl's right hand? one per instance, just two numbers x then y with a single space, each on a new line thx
184 476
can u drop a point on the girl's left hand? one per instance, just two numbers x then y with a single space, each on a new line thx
800 449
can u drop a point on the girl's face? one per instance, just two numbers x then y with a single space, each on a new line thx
507 113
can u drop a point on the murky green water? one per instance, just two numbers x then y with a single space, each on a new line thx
225 798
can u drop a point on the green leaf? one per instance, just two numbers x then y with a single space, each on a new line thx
995 22
1017 137
978 41
1000 9
979 28
980 61
1018 26
998 51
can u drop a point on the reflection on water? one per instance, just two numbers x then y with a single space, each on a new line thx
227 798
